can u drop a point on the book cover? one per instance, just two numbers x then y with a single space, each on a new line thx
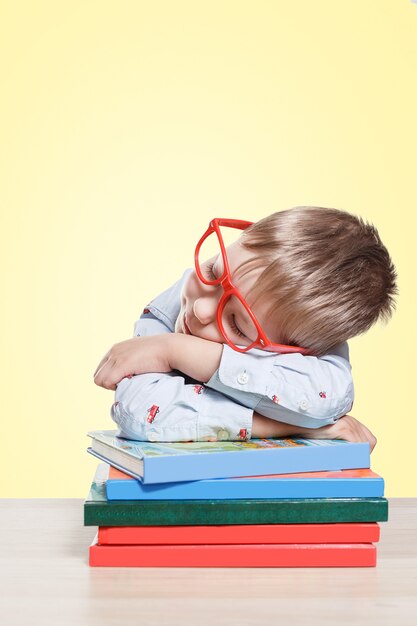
278 555
358 483
198 460
98 511
240 534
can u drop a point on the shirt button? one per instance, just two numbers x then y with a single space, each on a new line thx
243 378
222 435
152 435
303 405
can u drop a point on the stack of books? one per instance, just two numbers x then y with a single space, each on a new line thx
256 503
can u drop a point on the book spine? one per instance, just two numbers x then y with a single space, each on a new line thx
240 534
207 512
291 555
246 489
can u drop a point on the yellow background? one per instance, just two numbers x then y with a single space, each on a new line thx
125 127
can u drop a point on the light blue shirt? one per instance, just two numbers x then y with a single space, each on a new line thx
301 390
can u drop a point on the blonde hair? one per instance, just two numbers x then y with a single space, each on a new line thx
326 274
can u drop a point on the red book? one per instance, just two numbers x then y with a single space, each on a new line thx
249 555
240 534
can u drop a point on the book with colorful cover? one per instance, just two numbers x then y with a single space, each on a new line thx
98 511
358 483
258 555
199 460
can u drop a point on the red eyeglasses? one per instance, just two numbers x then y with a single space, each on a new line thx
233 298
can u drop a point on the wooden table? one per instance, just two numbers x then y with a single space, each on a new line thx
46 580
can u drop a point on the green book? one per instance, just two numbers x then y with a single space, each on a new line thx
99 512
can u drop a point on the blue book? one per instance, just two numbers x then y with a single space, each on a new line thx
357 483
198 460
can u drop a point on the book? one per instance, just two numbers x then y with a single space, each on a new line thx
98 511
240 534
358 483
197 460
259 555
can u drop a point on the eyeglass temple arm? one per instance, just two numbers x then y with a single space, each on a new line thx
242 224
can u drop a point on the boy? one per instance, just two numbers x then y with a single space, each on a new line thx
232 354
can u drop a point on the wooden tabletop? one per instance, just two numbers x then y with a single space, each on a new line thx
45 579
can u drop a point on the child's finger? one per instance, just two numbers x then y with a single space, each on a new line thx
367 436
100 365
103 360
97 369
109 376
103 376
98 378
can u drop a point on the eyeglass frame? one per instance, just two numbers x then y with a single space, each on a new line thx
230 289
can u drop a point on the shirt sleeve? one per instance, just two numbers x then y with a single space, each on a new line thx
173 407
304 391
163 407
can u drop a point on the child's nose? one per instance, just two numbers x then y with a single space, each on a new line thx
205 309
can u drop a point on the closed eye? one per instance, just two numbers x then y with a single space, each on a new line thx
235 328
232 320
209 269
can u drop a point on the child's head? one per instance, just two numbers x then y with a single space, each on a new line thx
314 277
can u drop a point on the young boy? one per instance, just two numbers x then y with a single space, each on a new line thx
232 354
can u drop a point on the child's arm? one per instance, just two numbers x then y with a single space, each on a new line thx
183 416
195 357
347 427
304 391
163 406
224 406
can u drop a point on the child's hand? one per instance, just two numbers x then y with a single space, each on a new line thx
346 427
138 355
